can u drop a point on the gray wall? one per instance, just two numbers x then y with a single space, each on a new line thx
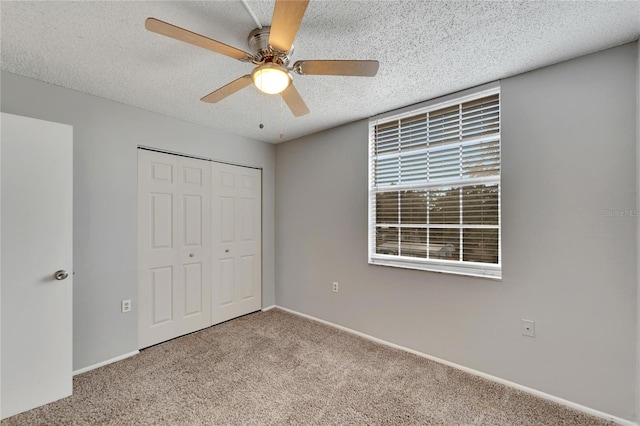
569 154
106 136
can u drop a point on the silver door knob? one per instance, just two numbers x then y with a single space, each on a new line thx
61 274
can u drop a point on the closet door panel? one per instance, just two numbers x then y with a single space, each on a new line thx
174 246
237 284
195 243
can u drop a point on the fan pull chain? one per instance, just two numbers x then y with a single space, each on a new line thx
281 119
261 100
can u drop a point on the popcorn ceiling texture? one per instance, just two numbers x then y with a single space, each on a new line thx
277 368
425 48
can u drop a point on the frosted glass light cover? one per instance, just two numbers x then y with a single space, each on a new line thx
271 79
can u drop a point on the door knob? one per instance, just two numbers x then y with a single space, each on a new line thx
226 251
61 274
191 254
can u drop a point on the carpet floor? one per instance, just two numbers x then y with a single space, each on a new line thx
278 368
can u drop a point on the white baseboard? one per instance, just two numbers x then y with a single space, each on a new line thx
540 394
268 308
107 362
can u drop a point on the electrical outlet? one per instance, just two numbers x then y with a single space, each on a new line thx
335 287
126 305
528 328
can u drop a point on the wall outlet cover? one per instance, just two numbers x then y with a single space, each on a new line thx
528 328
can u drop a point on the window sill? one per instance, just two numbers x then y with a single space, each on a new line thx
474 270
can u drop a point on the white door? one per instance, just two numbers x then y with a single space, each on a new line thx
174 246
237 231
37 206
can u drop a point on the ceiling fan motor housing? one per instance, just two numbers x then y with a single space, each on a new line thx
262 52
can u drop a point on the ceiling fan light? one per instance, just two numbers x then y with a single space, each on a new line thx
271 78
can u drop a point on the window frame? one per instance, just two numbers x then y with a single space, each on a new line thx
458 267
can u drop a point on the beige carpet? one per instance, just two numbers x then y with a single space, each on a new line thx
277 368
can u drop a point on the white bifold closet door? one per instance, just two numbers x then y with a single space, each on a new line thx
174 246
199 248
237 258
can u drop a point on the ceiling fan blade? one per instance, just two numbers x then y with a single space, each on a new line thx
287 15
229 89
294 101
166 29
335 67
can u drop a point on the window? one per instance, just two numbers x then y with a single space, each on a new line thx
434 187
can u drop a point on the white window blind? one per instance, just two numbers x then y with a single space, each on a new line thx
434 187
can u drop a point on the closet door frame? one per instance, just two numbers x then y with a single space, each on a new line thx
211 275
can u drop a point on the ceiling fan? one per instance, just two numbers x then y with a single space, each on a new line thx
271 47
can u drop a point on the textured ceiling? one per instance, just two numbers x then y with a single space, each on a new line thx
426 49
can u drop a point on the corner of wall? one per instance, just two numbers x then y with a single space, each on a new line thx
637 115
